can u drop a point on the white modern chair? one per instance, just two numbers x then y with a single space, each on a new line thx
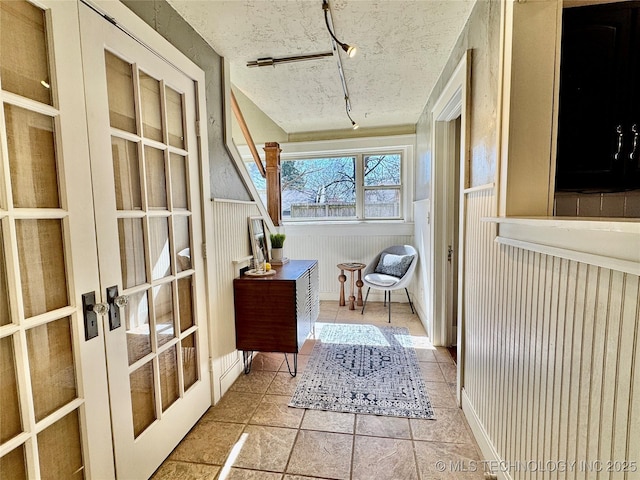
393 273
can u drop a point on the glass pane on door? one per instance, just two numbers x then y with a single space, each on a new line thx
132 252
5 313
13 465
24 60
151 111
126 173
32 158
137 320
42 265
142 398
10 421
60 449
53 376
122 114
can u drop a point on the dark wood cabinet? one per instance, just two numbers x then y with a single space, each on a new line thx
599 114
277 313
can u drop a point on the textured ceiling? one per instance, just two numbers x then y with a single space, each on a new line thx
402 48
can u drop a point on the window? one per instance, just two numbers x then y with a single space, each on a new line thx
361 186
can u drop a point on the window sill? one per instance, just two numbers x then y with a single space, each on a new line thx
603 242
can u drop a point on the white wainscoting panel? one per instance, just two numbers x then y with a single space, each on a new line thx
338 246
231 226
552 367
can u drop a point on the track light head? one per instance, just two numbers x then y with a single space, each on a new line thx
350 50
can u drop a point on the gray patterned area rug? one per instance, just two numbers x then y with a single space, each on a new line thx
364 369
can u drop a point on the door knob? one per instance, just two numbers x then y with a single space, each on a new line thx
100 308
121 301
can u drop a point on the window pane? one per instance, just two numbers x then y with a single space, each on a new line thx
189 361
151 114
60 450
53 374
131 252
163 310
156 179
10 421
32 158
182 240
137 319
319 188
5 312
381 170
122 112
13 465
169 389
126 173
382 203
174 118
159 252
185 303
24 64
42 265
179 195
142 398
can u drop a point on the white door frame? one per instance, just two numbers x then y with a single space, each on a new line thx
452 103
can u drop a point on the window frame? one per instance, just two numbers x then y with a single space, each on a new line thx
359 148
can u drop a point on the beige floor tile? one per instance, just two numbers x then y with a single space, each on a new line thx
449 426
448 461
450 372
234 407
171 470
255 381
379 426
321 454
274 411
244 474
208 442
266 361
337 422
283 384
425 354
265 448
431 372
443 355
440 395
302 364
383 459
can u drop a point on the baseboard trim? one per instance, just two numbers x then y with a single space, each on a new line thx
489 452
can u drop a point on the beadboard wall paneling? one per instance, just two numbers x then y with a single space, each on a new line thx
551 368
231 242
333 248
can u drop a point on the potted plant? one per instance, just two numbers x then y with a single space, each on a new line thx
277 242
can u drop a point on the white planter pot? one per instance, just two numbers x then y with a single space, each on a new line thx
276 253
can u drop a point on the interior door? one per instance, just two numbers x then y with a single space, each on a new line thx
145 167
54 410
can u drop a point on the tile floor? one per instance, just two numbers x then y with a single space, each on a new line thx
252 433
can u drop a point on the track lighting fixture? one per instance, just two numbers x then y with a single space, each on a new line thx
350 50
347 107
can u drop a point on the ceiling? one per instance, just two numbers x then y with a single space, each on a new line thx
402 48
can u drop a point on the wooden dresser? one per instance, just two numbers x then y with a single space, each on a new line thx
277 313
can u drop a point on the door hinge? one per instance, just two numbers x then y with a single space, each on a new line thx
197 128
449 254
204 250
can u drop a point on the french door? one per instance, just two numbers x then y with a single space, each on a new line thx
99 193
145 167
54 403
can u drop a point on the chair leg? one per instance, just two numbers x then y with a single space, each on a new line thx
365 300
410 304
389 306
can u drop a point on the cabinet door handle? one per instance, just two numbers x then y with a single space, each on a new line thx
633 156
617 155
